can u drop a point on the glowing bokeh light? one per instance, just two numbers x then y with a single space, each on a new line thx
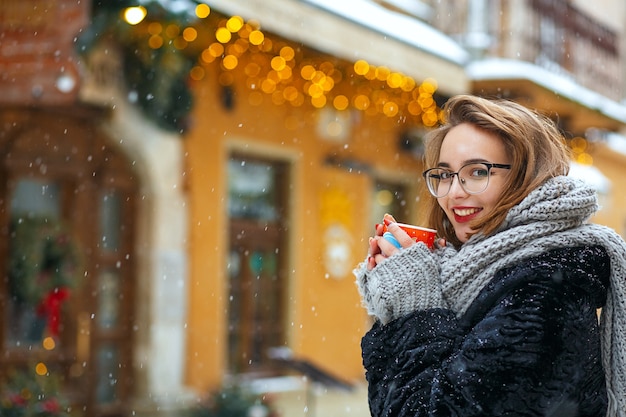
230 62
234 24
256 37
41 369
203 11
223 35
135 15
341 102
48 343
190 34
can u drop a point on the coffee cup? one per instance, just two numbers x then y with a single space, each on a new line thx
417 233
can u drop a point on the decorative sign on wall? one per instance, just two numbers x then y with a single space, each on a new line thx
336 220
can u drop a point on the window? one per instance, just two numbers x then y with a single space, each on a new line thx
390 198
255 266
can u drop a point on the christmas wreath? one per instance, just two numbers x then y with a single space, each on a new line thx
44 263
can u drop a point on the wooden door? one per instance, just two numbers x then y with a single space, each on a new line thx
66 253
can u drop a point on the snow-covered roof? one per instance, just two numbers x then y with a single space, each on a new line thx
509 69
396 25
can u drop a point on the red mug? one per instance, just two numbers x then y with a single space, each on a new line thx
417 233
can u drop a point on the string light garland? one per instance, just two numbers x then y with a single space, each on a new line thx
164 50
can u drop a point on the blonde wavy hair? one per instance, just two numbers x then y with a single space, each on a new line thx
536 146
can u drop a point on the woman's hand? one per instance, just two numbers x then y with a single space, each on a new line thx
380 248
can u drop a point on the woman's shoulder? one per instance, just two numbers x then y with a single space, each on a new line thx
579 265
582 269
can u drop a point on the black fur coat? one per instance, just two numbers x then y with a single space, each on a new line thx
529 345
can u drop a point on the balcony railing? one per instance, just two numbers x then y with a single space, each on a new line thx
549 33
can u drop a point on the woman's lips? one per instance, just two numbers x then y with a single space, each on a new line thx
465 214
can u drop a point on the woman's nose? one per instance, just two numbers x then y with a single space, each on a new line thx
456 188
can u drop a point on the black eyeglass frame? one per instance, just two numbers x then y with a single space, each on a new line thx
452 174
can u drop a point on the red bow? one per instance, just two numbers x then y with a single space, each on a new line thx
50 307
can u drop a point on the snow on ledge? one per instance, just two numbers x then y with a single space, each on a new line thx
509 69
396 25
591 176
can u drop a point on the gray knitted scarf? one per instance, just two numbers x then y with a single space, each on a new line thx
552 216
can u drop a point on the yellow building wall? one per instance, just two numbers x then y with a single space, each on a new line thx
611 212
325 319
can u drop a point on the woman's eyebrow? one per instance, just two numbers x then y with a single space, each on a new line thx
465 162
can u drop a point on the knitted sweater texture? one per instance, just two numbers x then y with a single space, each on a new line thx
553 216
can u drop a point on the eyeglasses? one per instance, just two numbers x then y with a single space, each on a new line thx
473 178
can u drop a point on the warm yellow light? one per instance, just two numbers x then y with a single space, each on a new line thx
252 69
273 75
268 86
155 42
428 86
394 80
384 197
425 101
223 35
315 90
134 15
341 102
285 73
390 109
382 73
361 102
256 37
299 101
414 108
267 45
287 53
216 49
584 159
578 144
180 43
207 57
190 34
371 73
429 118
234 24
307 72
48 343
242 45
230 62
197 73
278 98
290 93
361 67
41 369
327 83
408 84
318 102
245 30
203 11
278 63
172 30
155 28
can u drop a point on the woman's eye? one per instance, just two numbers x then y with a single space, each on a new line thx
479 173
443 176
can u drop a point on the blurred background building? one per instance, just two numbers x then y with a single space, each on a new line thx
186 186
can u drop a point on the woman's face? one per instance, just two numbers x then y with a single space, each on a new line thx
463 144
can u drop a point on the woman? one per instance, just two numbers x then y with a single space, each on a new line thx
500 318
